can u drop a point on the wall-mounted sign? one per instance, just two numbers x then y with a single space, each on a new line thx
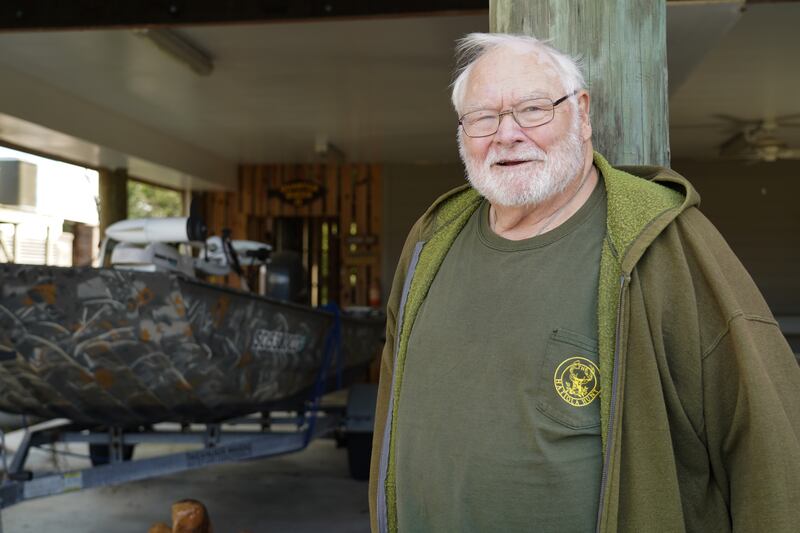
298 192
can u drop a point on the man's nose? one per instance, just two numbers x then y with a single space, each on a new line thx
508 131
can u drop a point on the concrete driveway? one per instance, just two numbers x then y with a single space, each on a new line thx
309 491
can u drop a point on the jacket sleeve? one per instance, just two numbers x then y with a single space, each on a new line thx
751 399
386 368
751 390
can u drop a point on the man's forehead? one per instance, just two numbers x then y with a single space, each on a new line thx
504 77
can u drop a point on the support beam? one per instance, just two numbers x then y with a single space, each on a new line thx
113 197
623 47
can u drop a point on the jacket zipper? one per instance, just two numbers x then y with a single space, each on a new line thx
382 510
612 405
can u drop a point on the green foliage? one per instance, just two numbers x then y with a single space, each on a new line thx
150 201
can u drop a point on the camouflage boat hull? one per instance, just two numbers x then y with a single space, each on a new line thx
102 346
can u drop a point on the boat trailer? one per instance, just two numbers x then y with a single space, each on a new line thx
246 438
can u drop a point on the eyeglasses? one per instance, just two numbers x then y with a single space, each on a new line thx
528 114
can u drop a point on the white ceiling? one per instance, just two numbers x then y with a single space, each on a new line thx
375 88
752 73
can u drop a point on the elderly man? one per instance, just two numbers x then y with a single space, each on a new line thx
571 346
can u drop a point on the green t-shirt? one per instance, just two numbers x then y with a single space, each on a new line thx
498 423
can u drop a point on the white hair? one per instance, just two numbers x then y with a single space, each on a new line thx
472 47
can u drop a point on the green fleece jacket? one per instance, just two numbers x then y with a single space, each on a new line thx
700 396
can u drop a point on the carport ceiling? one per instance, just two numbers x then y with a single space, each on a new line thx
376 88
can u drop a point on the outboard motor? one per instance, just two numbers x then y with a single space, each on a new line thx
286 277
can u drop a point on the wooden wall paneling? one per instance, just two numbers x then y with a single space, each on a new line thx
219 212
261 188
282 172
278 175
287 172
352 194
232 208
228 203
375 222
213 219
315 259
231 199
270 183
239 225
240 185
360 260
246 188
362 285
211 211
345 218
271 204
225 201
265 203
277 180
269 229
314 172
260 201
335 266
251 189
300 173
252 228
362 229
202 202
375 199
303 174
346 203
319 177
291 175
332 190
361 201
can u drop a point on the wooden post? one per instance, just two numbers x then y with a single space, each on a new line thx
113 197
623 46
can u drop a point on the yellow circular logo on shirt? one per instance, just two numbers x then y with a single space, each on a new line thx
577 381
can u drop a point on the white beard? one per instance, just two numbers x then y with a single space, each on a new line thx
529 183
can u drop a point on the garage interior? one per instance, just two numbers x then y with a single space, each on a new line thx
326 129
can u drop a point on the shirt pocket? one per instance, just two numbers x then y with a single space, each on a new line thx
569 382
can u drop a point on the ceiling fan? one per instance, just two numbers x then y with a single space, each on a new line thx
757 141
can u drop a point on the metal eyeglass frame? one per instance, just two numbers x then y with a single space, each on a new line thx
514 116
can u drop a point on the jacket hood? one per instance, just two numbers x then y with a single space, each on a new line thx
642 201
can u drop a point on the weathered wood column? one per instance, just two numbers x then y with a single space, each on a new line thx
113 197
623 47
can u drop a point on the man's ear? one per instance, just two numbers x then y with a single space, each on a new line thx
584 105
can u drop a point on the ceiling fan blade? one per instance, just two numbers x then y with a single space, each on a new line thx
699 125
790 116
737 120
737 145
789 153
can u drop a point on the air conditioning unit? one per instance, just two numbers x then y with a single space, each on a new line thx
17 183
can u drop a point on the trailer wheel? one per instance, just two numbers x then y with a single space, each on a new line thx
100 454
359 452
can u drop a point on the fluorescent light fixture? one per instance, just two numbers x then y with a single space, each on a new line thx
178 47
